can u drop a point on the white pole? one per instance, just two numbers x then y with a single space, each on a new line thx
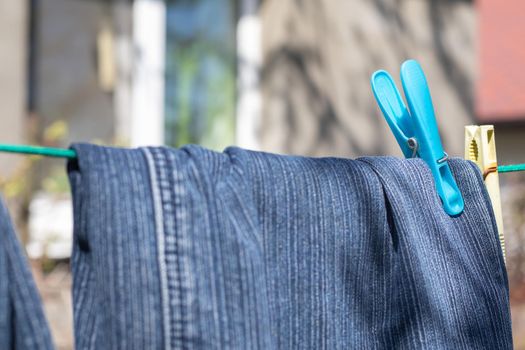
249 58
149 38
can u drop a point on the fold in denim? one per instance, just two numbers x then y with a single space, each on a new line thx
22 321
189 248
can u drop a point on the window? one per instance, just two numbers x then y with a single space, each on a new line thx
200 85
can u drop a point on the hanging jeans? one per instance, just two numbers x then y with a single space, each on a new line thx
191 248
22 321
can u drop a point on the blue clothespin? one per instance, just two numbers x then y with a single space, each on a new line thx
416 130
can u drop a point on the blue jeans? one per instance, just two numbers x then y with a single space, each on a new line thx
195 249
22 321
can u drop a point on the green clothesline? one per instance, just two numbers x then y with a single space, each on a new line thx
39 150
511 168
71 154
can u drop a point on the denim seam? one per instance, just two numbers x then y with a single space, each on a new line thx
174 202
159 228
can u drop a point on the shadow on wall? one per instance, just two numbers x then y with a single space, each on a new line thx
319 56
303 97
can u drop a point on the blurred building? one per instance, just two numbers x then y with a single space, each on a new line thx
282 76
135 73
318 57
13 54
500 87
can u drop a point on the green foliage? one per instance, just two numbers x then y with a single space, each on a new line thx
201 78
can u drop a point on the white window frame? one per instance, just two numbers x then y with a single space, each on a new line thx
147 122
149 41
249 61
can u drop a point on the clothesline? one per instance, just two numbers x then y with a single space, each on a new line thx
70 154
511 168
39 150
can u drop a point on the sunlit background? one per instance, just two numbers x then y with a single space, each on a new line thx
286 76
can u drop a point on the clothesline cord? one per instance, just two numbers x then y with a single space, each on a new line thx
39 150
71 154
511 168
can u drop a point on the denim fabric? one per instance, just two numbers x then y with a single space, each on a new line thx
244 250
22 321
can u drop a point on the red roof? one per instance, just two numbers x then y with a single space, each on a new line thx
500 90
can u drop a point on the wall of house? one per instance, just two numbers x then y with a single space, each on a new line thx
66 81
13 15
319 56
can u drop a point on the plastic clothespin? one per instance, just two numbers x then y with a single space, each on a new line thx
416 129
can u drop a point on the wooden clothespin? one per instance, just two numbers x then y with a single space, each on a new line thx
480 147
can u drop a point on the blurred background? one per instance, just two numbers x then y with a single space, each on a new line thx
286 76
